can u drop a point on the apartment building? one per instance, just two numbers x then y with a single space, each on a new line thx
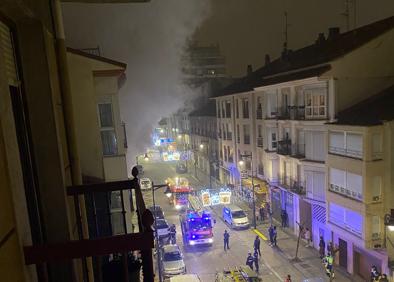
360 183
292 98
42 236
101 135
203 140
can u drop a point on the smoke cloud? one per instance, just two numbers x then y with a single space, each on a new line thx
150 38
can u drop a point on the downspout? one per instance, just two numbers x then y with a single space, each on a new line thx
69 122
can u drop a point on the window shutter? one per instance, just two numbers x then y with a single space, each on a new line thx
337 140
7 51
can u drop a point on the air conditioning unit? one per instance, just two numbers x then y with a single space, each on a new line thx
376 198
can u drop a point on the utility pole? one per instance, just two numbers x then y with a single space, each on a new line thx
301 228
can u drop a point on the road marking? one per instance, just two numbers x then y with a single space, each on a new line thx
261 235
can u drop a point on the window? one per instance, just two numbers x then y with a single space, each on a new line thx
238 134
273 141
350 220
228 109
315 146
375 227
346 183
246 131
315 103
377 146
259 131
346 144
223 109
107 130
376 188
245 108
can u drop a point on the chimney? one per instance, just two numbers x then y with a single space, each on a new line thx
320 39
333 32
249 69
267 59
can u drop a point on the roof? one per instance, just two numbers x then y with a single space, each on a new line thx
170 248
207 109
320 53
371 111
95 57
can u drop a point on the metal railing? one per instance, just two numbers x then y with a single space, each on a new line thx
346 152
297 112
345 192
298 150
293 185
283 113
109 256
284 147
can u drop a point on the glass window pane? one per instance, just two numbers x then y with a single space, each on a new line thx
108 139
105 112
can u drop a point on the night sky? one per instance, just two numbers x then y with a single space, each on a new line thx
150 38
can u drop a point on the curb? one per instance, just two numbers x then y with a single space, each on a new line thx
261 235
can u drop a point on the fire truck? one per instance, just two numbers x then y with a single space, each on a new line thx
180 190
196 224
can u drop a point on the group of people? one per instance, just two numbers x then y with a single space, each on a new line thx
254 260
377 276
272 232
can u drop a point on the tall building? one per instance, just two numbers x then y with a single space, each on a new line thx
278 114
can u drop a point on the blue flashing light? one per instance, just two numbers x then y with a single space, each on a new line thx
193 236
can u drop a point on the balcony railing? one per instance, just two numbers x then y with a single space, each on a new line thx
283 113
284 147
298 150
292 185
297 112
346 152
259 113
260 142
94 202
346 192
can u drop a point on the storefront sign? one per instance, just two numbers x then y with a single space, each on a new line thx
206 198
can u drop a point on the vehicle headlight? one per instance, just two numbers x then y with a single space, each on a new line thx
210 240
192 243
178 207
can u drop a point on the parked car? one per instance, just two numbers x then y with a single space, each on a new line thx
235 217
172 261
163 229
145 183
157 213
140 169
181 168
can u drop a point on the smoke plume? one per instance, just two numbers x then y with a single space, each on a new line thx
150 38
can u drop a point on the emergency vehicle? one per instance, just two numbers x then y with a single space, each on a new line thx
180 190
196 224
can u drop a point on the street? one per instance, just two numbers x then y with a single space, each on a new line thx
206 261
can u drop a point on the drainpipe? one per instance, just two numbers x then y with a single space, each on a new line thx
68 113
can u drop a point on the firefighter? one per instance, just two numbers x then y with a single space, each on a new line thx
375 275
226 239
173 234
256 261
250 261
328 261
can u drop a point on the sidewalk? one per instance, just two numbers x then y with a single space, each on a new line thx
310 264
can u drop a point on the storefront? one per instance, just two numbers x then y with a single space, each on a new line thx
261 189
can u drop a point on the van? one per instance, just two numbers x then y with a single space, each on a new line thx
235 217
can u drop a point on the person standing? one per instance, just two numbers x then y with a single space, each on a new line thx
226 238
275 234
249 261
282 218
288 278
322 247
256 245
262 215
271 234
256 262
307 236
257 213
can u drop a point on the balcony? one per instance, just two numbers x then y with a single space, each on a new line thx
259 113
260 142
284 147
283 113
297 112
293 185
95 216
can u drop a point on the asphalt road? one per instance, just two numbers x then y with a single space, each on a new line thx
207 261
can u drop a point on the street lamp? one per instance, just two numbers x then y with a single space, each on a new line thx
168 193
241 163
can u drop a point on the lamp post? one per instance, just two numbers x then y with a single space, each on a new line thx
168 194
253 188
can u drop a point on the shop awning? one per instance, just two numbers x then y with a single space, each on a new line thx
261 187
